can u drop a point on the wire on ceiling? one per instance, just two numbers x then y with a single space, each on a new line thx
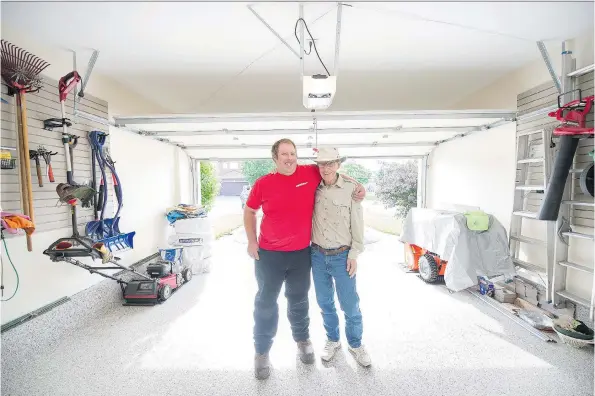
311 42
226 83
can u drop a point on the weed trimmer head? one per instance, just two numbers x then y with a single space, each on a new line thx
21 69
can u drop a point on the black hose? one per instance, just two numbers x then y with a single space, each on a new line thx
555 189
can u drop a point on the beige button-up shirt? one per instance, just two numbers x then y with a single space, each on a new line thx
338 220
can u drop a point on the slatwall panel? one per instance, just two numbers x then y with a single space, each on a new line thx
543 96
49 213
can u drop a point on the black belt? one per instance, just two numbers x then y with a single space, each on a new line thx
330 252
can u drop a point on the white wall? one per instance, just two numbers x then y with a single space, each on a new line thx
154 176
479 170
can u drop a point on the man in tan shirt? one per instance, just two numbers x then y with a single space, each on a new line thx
337 241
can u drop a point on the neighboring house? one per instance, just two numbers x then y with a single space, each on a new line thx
231 178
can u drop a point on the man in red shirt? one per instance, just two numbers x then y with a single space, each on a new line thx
282 251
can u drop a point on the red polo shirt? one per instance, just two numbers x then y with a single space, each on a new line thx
287 204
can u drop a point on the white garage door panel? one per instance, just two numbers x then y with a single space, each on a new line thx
370 133
322 124
368 152
351 138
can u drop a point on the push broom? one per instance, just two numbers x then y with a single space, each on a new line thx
20 71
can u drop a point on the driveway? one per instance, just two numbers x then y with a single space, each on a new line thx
225 205
226 214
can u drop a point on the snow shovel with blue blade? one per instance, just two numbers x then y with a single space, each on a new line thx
108 230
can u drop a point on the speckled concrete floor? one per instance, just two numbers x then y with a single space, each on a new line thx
423 341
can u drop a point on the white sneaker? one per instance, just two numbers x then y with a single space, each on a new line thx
330 349
361 356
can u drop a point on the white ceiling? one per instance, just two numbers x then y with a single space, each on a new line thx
218 57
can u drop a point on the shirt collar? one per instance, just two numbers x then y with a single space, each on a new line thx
340 182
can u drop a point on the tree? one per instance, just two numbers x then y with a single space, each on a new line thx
357 171
209 185
397 186
253 169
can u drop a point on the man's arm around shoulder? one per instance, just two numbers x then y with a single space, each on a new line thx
359 192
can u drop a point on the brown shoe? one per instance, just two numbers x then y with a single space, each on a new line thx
262 366
306 351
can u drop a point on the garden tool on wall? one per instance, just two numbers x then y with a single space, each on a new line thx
114 224
65 249
95 229
107 230
573 117
72 142
47 157
34 155
20 70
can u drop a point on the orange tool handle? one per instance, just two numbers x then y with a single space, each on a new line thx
51 173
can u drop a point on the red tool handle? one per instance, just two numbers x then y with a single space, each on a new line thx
67 83
51 173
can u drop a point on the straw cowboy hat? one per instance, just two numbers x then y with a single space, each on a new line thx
328 154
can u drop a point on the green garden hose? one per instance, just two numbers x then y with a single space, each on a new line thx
15 271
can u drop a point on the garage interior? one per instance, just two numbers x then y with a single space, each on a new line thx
465 89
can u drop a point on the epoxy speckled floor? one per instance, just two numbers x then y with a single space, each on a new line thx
423 341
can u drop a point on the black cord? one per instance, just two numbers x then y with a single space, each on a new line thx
315 49
308 53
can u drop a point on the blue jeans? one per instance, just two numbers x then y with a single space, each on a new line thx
272 270
325 270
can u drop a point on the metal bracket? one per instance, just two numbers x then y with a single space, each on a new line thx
550 67
85 80
261 19
338 39
90 66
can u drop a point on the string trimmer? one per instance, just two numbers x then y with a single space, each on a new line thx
64 249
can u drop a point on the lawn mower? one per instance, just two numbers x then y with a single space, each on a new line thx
429 265
166 276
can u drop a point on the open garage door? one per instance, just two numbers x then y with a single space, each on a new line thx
377 134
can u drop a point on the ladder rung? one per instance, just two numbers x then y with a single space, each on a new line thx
530 187
526 265
578 235
573 297
530 160
579 203
523 213
576 266
525 133
524 239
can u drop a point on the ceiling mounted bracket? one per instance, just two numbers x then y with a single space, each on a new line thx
261 19
85 80
548 62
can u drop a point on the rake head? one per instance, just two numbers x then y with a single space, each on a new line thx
21 69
